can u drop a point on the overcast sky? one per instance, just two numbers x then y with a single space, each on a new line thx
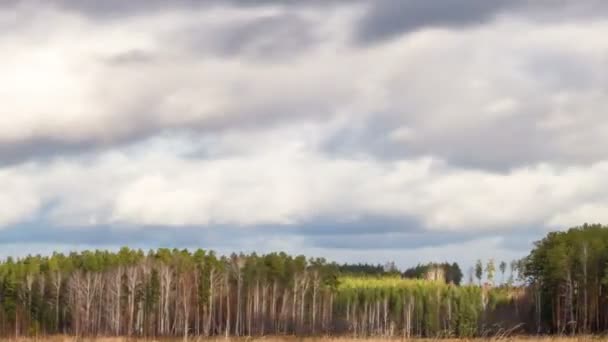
357 130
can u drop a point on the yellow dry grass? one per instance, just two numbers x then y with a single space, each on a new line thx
581 338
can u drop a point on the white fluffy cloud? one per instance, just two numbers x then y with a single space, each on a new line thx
214 116
287 184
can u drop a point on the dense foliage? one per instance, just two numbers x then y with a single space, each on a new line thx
165 293
568 272
177 292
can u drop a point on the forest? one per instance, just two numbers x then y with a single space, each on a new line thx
560 287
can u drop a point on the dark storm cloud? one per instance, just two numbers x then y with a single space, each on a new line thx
390 18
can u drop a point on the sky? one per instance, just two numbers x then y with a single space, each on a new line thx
384 130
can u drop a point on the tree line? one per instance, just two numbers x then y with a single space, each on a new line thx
165 293
559 287
182 293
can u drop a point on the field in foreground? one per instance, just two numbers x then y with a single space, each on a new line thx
581 338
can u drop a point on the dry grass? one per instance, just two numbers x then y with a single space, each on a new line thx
581 338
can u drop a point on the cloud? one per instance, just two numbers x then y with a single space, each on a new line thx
124 87
284 122
293 198
266 39
274 184
17 199
483 109
114 10
182 71
389 18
